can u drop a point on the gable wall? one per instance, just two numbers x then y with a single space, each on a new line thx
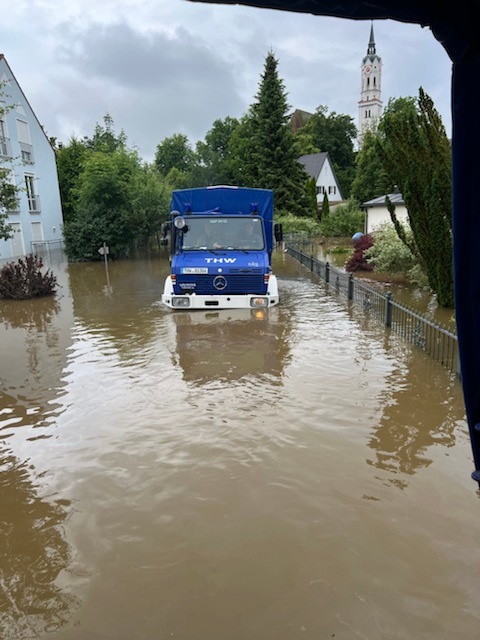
43 169
376 216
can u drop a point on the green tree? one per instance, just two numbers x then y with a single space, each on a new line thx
174 152
104 211
176 179
244 171
213 154
416 155
343 221
311 191
8 202
70 160
304 144
391 255
335 134
269 155
371 180
325 207
8 190
104 137
150 206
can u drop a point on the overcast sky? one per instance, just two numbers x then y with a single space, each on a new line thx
160 67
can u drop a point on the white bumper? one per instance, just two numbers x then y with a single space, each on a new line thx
225 301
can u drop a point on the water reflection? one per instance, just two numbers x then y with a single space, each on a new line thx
122 310
415 415
34 336
33 555
230 345
33 315
208 474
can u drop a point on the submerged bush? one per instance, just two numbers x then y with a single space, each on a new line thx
391 255
25 279
358 261
294 224
343 221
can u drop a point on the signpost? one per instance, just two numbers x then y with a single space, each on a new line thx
104 251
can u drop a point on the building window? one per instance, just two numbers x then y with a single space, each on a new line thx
25 142
32 196
320 190
5 149
332 190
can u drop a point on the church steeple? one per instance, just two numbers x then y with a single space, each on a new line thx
371 51
370 105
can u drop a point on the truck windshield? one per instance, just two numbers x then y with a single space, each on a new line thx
230 233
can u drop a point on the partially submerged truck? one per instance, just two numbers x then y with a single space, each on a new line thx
221 243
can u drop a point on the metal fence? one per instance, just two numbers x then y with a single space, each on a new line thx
44 246
52 250
435 340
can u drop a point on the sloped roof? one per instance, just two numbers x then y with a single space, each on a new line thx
381 201
2 57
299 119
313 163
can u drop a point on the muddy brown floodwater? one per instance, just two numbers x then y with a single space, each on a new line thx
224 476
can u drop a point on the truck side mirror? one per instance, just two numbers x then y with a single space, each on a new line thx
278 232
164 230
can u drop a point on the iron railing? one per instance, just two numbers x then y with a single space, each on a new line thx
424 334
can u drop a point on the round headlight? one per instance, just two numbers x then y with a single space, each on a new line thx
179 222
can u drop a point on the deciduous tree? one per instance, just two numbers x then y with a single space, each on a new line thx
334 133
371 180
214 156
174 152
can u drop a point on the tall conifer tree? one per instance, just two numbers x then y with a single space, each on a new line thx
273 163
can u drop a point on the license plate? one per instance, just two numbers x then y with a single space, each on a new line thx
194 270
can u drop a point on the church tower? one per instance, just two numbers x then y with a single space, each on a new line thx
370 104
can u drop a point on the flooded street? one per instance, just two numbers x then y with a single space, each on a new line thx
224 476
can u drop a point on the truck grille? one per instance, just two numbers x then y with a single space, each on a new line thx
236 284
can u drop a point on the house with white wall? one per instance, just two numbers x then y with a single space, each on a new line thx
319 167
376 211
26 151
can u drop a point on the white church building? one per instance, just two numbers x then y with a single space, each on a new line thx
370 105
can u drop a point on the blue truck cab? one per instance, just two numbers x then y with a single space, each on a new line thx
221 243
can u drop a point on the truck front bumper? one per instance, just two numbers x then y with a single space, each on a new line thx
225 301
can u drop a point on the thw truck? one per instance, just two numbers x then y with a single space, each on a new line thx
221 243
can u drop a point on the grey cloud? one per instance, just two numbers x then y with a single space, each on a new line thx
152 84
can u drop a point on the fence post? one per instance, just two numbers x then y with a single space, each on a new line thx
350 286
327 272
388 309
